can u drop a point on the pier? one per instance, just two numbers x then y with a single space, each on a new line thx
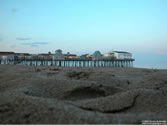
59 59
73 62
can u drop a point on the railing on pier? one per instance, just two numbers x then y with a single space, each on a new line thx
72 62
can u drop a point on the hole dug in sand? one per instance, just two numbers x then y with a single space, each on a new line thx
84 93
69 91
79 93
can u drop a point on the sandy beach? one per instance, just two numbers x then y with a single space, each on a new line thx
30 94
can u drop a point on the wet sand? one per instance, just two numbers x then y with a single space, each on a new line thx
31 94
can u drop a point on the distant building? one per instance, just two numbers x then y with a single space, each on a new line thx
7 55
70 56
97 55
58 55
86 56
122 55
22 55
49 53
46 56
109 55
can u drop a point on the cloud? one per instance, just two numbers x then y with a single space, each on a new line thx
35 44
21 38
161 53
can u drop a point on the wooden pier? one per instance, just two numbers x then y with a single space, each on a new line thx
73 62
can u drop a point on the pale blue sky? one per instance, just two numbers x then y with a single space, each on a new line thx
83 26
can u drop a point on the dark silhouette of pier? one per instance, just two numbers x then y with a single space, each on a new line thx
72 62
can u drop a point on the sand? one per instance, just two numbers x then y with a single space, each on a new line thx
30 94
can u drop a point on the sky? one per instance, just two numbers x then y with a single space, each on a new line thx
84 26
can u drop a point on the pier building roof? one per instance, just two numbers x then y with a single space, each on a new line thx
121 52
6 53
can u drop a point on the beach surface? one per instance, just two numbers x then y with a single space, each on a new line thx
45 94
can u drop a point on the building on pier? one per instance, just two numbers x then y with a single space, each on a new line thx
5 57
58 55
70 56
109 55
45 56
122 55
86 56
22 55
97 55
117 55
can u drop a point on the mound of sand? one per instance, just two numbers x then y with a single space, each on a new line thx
81 95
